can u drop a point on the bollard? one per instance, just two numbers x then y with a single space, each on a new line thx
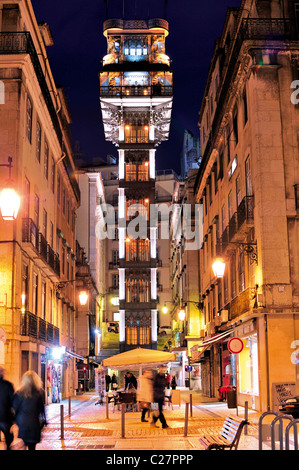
123 411
186 419
61 422
69 407
191 409
107 407
246 418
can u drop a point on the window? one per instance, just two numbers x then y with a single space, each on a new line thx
51 234
235 128
241 272
45 222
27 199
38 141
44 299
52 174
114 257
29 119
46 160
238 191
233 276
35 294
36 210
115 281
230 206
223 219
249 191
245 109
25 286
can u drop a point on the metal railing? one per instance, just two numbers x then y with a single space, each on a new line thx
124 91
38 328
30 234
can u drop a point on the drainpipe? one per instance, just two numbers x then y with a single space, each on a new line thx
267 361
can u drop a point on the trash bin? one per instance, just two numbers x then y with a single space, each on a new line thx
231 396
187 383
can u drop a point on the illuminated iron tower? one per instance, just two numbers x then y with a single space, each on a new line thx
136 91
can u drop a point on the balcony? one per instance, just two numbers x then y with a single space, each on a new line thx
38 328
239 224
38 248
241 304
126 91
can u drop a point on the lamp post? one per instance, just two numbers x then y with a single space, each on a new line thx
9 198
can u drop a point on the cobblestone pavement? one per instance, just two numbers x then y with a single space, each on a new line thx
89 428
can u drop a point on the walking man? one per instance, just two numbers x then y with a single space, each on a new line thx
6 413
160 383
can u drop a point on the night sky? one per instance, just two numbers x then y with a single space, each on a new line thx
79 45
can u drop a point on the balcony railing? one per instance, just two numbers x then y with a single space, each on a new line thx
245 210
30 234
242 303
124 91
38 328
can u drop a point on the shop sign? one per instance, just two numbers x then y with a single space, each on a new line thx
235 345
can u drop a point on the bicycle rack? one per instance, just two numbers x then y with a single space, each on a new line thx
294 422
279 418
266 413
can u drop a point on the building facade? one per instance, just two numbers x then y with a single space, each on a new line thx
247 183
37 250
136 102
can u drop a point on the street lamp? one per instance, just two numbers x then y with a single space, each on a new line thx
164 309
83 297
182 314
218 268
9 198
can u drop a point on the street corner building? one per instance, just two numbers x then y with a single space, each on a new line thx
248 184
37 312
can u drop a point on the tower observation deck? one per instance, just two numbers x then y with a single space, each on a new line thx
136 93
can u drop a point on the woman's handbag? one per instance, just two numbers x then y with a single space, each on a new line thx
144 405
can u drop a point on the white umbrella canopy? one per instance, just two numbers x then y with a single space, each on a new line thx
138 358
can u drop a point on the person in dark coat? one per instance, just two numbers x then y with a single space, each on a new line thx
159 385
173 382
130 379
108 381
28 404
114 381
6 412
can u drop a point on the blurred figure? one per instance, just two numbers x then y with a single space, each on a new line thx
145 393
173 382
114 382
168 378
28 403
159 385
108 381
130 378
6 412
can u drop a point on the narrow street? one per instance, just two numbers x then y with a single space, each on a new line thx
89 428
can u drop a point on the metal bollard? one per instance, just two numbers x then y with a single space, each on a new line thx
186 419
107 407
61 422
69 407
191 409
246 417
123 414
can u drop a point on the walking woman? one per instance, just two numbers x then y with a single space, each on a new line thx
145 393
28 403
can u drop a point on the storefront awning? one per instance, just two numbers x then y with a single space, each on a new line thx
215 339
196 355
72 354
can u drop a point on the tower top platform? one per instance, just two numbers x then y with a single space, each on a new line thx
117 25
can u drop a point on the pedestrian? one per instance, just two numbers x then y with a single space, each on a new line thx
108 381
145 393
173 382
28 404
168 378
6 411
114 381
159 385
130 378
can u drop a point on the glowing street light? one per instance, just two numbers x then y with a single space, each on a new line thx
182 315
9 199
164 309
218 268
83 297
